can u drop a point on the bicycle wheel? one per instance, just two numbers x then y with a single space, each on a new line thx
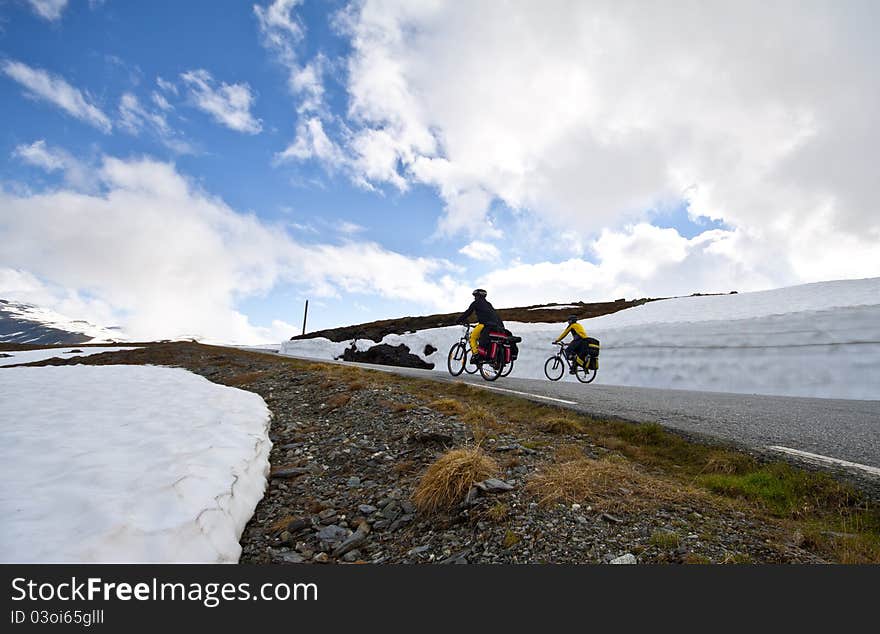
585 375
554 368
508 369
493 368
456 359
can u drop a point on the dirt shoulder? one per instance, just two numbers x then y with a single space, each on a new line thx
351 447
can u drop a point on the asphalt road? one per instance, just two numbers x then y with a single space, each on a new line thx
831 430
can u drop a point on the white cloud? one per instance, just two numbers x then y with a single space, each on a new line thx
229 104
312 142
168 258
639 261
53 159
161 102
43 85
48 9
480 250
38 154
588 114
168 87
135 117
282 33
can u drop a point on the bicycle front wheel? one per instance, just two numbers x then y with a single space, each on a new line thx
456 359
554 368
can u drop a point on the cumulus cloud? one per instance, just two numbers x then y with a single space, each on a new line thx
48 9
479 250
587 115
639 261
170 259
229 104
41 84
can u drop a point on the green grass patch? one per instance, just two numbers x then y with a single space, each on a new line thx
782 489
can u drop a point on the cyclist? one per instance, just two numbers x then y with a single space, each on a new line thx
486 316
578 346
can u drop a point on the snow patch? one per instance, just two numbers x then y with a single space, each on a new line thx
127 464
32 356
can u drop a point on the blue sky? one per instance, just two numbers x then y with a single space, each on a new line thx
462 151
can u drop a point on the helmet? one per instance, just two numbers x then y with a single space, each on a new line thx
572 319
479 292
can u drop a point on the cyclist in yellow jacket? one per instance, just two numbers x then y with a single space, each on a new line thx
578 346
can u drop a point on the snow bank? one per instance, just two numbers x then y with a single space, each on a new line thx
127 464
32 356
820 340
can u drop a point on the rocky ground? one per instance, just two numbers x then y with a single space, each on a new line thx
349 449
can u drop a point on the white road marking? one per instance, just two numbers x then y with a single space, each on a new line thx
529 394
826 459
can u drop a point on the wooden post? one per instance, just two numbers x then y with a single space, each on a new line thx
305 316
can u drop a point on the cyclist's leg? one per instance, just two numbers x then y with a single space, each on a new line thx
475 336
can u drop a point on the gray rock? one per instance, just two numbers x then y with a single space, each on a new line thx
351 556
355 540
493 485
353 482
472 495
290 472
418 550
332 533
292 558
327 513
366 509
391 511
610 518
628 558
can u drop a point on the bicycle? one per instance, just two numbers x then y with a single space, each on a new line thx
458 359
554 367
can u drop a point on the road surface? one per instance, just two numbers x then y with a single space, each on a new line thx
843 434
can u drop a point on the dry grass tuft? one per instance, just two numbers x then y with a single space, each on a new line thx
244 379
448 406
396 406
560 425
446 482
567 453
337 400
606 485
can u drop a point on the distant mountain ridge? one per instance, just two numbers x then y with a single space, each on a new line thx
22 323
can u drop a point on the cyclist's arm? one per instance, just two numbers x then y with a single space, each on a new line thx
562 336
463 317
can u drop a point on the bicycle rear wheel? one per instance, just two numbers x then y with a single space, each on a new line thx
585 375
491 369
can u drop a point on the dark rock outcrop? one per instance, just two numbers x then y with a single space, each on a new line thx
385 354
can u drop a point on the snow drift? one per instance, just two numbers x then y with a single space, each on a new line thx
820 340
127 464
15 357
